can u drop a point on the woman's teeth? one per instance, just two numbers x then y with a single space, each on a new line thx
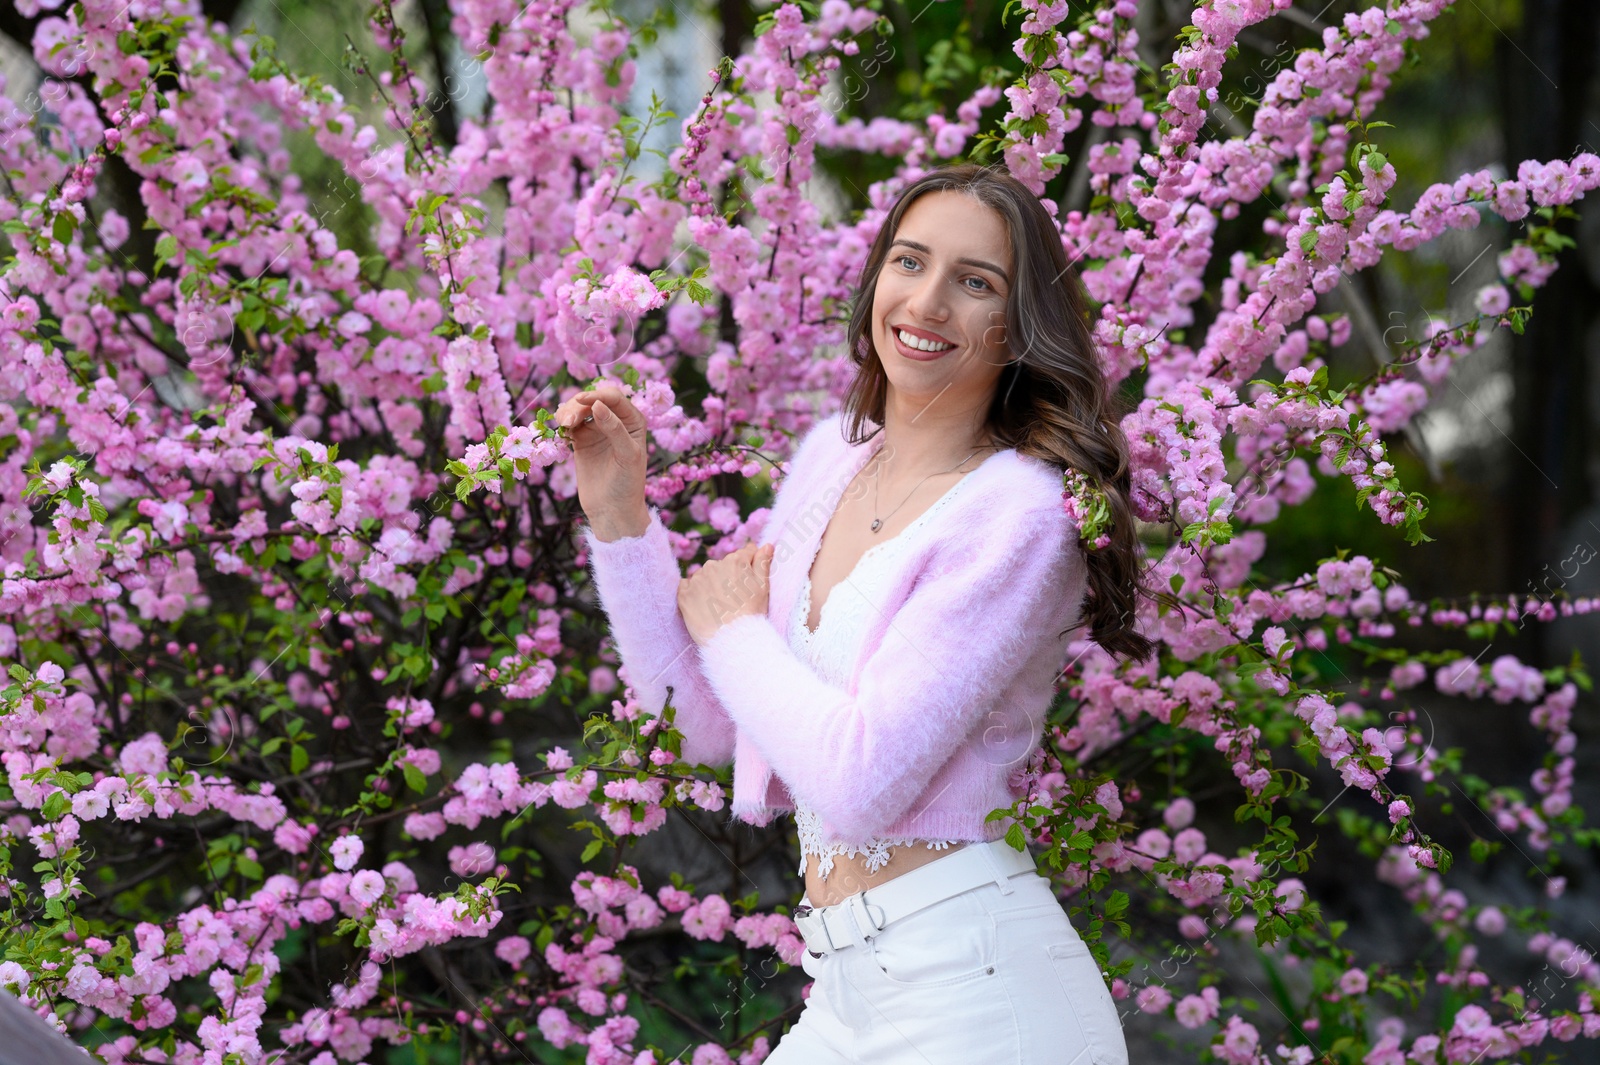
921 345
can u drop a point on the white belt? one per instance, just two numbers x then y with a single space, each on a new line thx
863 915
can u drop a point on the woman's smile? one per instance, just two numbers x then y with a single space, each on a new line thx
938 344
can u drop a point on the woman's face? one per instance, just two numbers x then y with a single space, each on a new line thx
946 280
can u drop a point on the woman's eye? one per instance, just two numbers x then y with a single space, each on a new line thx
903 259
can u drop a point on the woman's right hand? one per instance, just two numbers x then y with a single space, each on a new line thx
610 455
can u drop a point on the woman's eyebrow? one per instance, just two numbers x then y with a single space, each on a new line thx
985 264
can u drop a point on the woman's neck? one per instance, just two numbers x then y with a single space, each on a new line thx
922 446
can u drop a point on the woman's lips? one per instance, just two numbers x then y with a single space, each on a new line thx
915 353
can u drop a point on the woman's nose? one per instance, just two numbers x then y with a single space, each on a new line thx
928 300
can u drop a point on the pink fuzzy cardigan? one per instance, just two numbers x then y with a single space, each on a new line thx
947 697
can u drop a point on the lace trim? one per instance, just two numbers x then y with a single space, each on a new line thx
876 851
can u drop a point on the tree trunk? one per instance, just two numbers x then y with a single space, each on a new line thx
738 22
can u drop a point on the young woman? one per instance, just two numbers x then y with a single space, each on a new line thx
882 659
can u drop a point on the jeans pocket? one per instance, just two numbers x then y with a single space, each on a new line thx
951 942
1090 1000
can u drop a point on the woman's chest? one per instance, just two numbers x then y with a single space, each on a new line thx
832 618
845 619
860 535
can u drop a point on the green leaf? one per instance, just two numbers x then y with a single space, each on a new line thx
298 759
414 778
1015 837
56 805
591 850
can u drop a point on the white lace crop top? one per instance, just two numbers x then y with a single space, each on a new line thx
831 652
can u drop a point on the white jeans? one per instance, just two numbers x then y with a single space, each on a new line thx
982 978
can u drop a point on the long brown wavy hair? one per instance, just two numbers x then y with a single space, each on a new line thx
1052 402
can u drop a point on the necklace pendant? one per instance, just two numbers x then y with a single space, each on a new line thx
876 523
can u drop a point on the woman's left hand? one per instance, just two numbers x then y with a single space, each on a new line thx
724 589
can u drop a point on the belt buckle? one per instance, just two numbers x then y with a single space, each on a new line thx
805 911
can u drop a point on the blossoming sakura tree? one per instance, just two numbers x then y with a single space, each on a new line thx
289 552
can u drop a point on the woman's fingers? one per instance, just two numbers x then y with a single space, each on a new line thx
743 568
590 402
724 589
571 413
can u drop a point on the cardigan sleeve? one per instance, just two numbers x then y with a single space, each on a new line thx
968 627
637 578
